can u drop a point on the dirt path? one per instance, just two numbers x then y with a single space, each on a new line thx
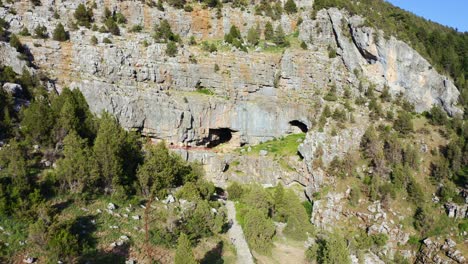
236 235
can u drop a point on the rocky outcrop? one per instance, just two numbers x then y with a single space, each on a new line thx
10 57
382 61
435 252
244 168
321 145
456 211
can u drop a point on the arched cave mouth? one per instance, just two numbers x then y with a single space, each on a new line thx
217 136
299 126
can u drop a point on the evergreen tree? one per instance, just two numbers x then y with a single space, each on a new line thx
160 170
253 36
16 43
75 169
41 32
269 33
259 231
83 15
171 49
280 37
403 124
112 26
59 33
290 7
333 250
38 121
107 152
163 32
184 254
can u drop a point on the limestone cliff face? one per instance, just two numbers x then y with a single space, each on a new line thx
257 96
384 62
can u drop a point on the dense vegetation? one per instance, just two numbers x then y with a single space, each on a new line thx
94 159
275 204
445 48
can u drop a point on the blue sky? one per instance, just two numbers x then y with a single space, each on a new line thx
453 13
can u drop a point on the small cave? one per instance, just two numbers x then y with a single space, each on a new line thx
218 136
298 126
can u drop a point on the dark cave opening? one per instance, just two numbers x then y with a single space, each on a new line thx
218 136
303 127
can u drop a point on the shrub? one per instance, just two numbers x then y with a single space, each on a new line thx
437 116
184 253
94 40
386 96
290 7
379 239
163 32
331 52
136 28
332 250
269 33
192 41
280 37
16 43
112 26
259 231
59 33
303 45
41 32
171 49
24 32
83 15
253 36
106 41
403 123
235 191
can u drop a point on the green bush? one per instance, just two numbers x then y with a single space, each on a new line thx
41 32
290 7
171 49
16 43
84 15
331 52
184 253
59 33
332 250
163 33
269 33
235 191
259 231
403 123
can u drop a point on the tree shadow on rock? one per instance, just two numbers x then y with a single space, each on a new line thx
214 256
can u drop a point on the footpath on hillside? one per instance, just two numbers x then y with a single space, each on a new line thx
236 235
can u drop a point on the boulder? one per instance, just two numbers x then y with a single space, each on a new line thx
14 89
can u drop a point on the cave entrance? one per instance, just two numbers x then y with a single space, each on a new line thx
298 126
217 136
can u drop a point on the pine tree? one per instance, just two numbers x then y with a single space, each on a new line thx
171 49
280 37
83 15
184 254
107 152
59 33
112 26
75 169
252 36
269 33
38 121
16 43
290 7
159 170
